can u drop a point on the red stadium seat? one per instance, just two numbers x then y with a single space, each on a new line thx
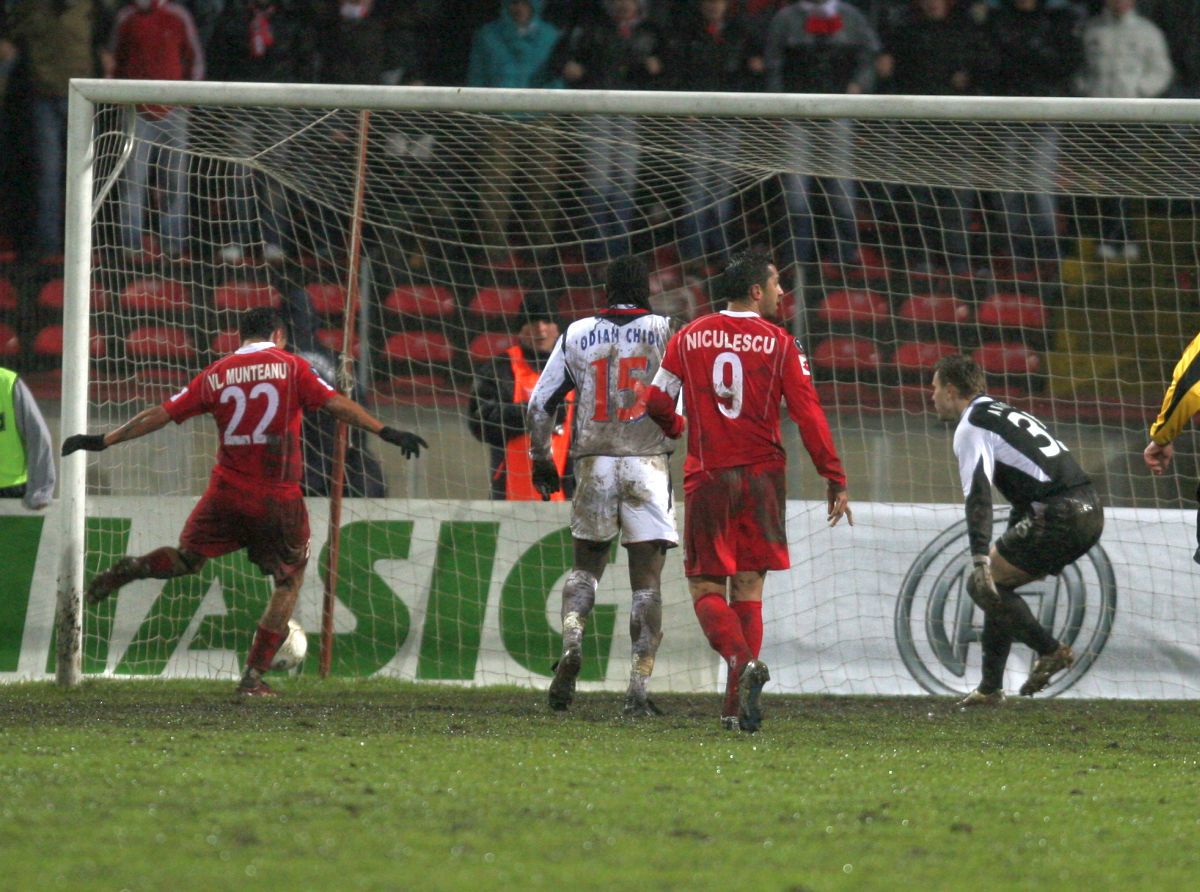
8 295
916 358
498 302
159 343
225 342
154 295
430 301
419 346
1012 310
51 296
1002 358
852 307
328 298
49 343
484 346
579 303
332 338
934 309
857 355
239 296
10 344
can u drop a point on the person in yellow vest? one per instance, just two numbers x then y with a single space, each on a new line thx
1180 404
26 455
499 400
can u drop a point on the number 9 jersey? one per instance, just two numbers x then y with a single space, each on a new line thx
734 369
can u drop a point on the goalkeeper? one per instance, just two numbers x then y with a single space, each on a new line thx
622 470
1056 518
257 396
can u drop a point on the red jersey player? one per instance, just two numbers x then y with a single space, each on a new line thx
734 368
257 395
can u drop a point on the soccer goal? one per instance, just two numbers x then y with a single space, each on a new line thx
402 229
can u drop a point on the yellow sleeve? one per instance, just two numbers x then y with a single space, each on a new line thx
1182 399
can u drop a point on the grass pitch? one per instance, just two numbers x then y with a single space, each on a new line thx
378 785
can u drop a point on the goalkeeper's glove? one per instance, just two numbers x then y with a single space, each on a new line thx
981 587
410 444
90 442
545 478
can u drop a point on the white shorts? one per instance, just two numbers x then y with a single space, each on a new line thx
626 493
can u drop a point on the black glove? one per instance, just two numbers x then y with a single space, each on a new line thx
410 444
90 442
545 478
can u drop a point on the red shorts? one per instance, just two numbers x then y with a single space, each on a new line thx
734 521
272 528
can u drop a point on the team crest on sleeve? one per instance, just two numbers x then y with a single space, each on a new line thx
803 357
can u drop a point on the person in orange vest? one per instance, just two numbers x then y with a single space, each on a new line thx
500 397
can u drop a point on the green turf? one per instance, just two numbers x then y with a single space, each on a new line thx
375 785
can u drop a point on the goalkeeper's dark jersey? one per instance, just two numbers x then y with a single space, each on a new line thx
1019 456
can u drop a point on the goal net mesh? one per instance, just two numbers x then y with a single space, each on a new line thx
1062 256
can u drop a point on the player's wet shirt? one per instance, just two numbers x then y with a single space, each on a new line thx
1016 452
604 359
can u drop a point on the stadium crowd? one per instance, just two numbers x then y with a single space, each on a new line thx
1002 47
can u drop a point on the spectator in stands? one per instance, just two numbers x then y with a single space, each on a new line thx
1033 49
156 40
363 473
1126 56
57 40
496 414
368 42
26 456
258 41
827 47
932 49
710 50
620 52
515 51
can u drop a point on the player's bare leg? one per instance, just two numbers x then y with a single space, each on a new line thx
271 632
162 563
578 598
646 561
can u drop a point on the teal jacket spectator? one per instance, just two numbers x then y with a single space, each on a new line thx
514 50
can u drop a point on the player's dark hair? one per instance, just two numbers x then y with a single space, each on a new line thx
627 281
961 373
745 269
260 322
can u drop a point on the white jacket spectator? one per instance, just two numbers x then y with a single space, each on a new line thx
1125 55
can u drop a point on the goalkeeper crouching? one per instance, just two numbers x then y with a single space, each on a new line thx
257 396
1056 518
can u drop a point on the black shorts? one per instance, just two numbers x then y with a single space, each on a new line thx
1060 534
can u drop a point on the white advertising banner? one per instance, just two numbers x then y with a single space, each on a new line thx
468 593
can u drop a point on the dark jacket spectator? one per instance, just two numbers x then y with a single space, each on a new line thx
932 49
261 41
353 42
825 47
1033 49
717 55
613 53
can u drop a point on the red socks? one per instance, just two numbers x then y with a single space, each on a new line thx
262 651
723 628
750 615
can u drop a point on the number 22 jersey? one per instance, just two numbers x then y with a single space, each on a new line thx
257 396
735 368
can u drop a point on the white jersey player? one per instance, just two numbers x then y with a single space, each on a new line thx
622 469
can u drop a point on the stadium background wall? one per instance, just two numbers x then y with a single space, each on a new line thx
878 609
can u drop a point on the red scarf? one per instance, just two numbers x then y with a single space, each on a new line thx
823 26
261 36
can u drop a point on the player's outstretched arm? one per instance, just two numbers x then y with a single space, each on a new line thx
838 501
145 422
345 409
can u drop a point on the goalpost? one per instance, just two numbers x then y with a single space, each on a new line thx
400 229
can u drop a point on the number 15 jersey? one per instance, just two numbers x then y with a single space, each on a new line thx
257 395
735 368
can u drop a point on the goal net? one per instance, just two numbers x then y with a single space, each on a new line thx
401 231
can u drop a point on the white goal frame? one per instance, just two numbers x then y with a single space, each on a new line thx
81 193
